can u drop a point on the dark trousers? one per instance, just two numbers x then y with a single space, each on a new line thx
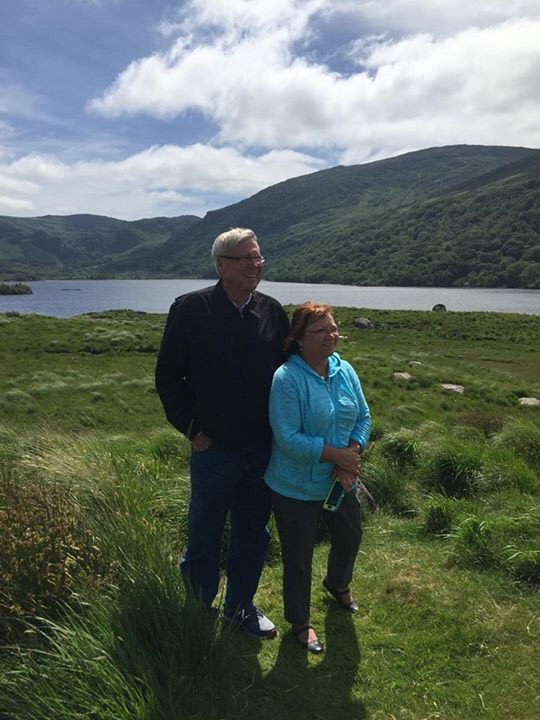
296 522
227 481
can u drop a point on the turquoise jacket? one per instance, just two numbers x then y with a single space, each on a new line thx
306 412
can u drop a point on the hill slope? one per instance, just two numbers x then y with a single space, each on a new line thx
457 215
52 245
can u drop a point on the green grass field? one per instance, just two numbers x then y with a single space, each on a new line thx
94 622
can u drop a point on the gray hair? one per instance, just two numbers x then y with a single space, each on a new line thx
228 240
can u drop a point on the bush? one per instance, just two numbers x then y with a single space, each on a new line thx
505 543
401 447
46 549
389 486
503 468
169 445
440 515
523 438
454 470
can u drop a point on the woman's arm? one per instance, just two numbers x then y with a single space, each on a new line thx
285 413
362 428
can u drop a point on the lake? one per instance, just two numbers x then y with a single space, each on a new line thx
65 298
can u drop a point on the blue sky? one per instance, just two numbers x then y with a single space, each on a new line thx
141 108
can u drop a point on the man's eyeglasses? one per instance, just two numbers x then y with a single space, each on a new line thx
245 259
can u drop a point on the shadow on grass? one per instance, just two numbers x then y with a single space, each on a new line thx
304 686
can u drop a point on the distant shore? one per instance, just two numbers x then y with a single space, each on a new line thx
15 289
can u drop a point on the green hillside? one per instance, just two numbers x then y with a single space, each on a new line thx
81 245
452 216
482 234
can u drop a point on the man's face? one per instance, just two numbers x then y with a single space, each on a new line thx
242 276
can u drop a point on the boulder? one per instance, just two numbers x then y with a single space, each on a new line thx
402 376
531 401
452 387
363 323
439 307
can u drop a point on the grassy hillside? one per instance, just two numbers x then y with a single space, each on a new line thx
450 216
484 233
56 246
298 218
93 501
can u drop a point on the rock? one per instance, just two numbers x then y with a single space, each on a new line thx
402 376
363 323
452 387
414 362
531 401
439 307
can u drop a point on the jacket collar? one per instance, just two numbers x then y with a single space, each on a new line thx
334 364
226 307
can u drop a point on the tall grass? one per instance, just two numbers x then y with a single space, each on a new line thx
94 493
504 543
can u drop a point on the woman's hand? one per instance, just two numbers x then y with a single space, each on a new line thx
345 459
347 480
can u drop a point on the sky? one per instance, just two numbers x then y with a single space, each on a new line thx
147 108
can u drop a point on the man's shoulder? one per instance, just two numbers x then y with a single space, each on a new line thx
263 296
264 300
194 295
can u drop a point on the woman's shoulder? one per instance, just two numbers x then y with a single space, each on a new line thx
343 366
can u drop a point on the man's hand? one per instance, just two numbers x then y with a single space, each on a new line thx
200 442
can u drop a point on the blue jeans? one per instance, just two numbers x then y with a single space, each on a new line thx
227 481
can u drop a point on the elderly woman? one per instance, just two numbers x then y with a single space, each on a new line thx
321 425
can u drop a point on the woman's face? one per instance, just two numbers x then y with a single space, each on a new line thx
320 337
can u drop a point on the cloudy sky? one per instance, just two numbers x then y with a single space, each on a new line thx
140 108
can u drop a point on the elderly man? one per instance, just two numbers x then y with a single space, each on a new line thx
220 348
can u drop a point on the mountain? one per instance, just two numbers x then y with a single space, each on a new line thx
450 216
81 245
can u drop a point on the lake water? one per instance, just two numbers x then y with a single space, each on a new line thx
65 298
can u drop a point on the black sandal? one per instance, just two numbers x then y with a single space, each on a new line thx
315 646
351 607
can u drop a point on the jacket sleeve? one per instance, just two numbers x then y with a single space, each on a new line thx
170 374
360 432
286 422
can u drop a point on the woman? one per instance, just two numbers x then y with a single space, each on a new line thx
321 425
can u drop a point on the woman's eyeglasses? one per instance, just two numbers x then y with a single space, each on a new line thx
324 331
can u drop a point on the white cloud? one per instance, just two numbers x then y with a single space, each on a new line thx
407 74
15 205
438 17
161 180
478 85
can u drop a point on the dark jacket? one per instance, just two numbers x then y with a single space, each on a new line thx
215 366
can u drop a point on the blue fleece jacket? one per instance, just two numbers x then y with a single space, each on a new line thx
306 412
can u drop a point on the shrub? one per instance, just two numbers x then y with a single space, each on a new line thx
503 468
525 565
169 445
440 515
474 543
389 486
401 447
505 543
454 470
523 438
46 549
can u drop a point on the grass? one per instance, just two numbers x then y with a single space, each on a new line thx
94 621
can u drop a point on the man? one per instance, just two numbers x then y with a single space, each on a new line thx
219 351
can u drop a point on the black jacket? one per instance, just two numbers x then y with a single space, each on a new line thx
215 366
